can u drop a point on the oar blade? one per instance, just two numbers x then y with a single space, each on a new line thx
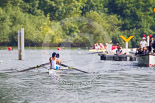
80 70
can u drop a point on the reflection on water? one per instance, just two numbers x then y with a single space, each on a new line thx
107 82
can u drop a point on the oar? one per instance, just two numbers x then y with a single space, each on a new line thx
73 68
37 66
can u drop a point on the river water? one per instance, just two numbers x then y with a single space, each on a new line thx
107 81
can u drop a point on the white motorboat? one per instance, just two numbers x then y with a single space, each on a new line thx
146 60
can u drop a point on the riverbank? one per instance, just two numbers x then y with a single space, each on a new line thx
47 48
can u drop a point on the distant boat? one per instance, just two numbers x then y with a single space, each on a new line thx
94 50
146 60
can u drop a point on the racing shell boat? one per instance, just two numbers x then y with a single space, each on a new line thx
54 71
146 60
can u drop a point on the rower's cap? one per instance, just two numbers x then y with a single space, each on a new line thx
53 54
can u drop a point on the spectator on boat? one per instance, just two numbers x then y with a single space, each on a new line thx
54 60
119 51
98 45
145 51
113 47
151 42
143 43
94 46
101 46
139 51
149 48
105 46
117 44
153 45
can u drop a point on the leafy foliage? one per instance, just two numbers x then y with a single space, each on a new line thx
80 22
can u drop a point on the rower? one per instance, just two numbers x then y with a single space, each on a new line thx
54 60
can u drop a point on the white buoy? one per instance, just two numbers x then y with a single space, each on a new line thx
1 61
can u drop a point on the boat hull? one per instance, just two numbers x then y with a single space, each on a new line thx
146 60
55 71
94 50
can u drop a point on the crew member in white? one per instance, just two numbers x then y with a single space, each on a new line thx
54 61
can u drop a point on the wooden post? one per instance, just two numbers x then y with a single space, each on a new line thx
21 44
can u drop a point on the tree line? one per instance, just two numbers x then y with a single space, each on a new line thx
78 22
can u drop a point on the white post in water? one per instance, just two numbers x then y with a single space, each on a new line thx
126 40
109 48
148 40
126 47
21 44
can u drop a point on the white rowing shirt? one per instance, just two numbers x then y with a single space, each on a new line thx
53 64
143 44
